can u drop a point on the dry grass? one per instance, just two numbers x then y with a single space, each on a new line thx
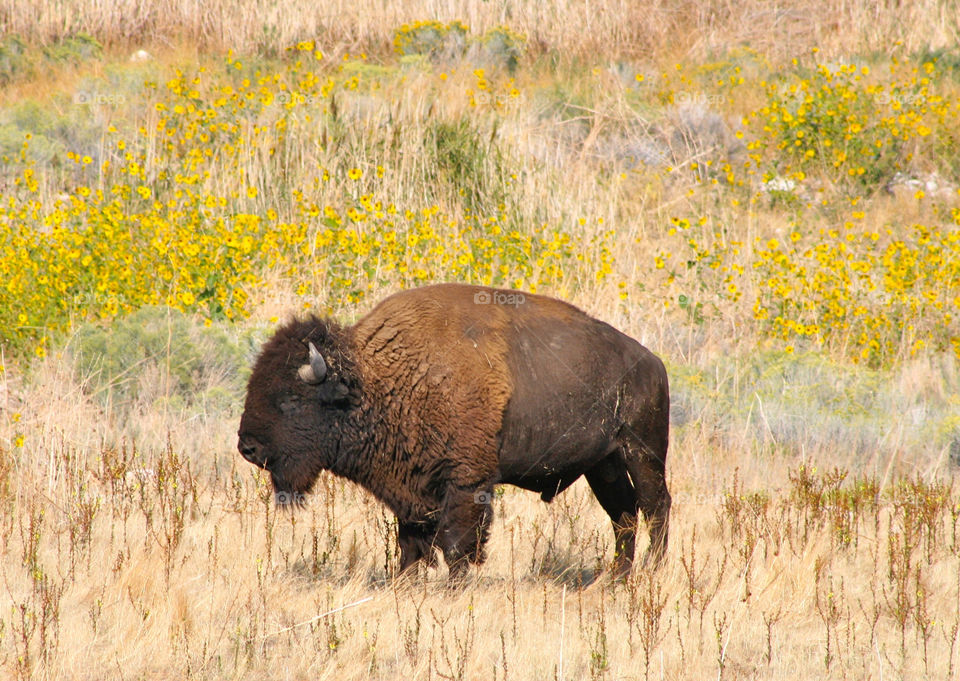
166 558
605 29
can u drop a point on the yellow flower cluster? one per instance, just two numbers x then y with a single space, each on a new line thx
239 175
822 141
873 294
192 212
424 37
98 258
847 122
373 244
879 294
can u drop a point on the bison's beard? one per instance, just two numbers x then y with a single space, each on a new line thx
295 472
289 492
289 499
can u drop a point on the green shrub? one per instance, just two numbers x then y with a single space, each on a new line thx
14 61
17 58
501 46
161 357
431 38
74 48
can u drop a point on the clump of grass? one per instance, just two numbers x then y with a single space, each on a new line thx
498 47
469 167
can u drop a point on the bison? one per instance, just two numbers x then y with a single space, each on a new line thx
442 392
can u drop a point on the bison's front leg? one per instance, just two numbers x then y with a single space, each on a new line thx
464 526
416 544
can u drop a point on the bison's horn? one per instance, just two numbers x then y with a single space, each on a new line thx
316 370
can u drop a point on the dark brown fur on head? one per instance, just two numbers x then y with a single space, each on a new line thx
290 427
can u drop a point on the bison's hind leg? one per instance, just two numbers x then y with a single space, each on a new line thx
464 528
611 484
647 469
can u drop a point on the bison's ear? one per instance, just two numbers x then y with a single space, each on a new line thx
335 392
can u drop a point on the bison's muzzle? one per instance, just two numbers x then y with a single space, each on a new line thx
252 451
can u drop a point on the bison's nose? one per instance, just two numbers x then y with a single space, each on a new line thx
251 451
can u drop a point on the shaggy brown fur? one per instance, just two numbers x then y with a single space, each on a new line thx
440 393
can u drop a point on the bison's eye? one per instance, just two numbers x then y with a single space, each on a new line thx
289 403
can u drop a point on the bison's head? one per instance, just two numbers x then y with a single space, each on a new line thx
298 402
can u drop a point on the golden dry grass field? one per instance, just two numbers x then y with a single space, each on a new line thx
766 195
